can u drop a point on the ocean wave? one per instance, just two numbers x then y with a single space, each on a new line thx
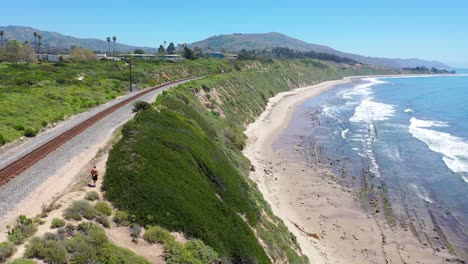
362 89
454 149
422 193
344 132
408 110
369 111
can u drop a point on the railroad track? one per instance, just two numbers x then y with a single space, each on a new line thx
40 152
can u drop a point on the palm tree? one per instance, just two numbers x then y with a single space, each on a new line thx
114 38
1 36
39 47
35 42
108 40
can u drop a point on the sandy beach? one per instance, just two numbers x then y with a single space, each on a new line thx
326 218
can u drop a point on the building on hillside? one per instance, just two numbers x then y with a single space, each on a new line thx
52 57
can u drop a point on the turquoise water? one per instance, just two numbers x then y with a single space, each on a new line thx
412 134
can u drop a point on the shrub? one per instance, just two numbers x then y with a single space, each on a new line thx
2 140
50 251
29 132
79 209
139 106
44 123
103 208
121 218
6 250
24 229
57 222
156 234
23 261
102 219
19 127
92 196
135 232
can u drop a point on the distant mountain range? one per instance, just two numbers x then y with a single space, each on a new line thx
237 42
54 40
232 43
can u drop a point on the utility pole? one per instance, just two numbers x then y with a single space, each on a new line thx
130 63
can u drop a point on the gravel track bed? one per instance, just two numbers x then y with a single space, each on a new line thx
26 183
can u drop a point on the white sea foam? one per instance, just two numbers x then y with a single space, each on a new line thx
454 149
363 89
344 132
408 110
369 111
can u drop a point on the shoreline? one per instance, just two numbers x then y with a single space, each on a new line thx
327 218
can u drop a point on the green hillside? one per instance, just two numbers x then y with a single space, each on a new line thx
179 165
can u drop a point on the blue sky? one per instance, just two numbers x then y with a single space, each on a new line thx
433 30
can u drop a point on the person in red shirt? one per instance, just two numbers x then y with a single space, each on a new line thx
94 175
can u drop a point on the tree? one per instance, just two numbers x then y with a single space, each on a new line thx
14 51
108 41
189 54
82 55
161 50
35 41
1 36
197 50
114 38
171 48
39 46
164 44
139 51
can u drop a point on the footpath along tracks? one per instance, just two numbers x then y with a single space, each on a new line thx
40 152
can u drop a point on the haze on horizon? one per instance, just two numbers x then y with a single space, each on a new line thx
430 30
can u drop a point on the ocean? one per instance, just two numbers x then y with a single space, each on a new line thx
403 143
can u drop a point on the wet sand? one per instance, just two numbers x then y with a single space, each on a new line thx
326 217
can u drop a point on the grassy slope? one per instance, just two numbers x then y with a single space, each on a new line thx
180 165
33 93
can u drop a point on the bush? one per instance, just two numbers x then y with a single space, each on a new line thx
194 251
23 261
139 106
29 132
24 229
121 218
50 251
79 209
57 222
103 208
6 250
156 234
2 140
135 232
19 127
102 219
92 196
44 123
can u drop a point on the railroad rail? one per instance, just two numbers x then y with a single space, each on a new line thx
23 163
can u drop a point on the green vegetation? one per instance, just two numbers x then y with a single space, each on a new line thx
22 261
194 251
84 209
92 196
121 218
6 250
25 228
103 208
32 95
57 222
140 106
180 166
88 244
